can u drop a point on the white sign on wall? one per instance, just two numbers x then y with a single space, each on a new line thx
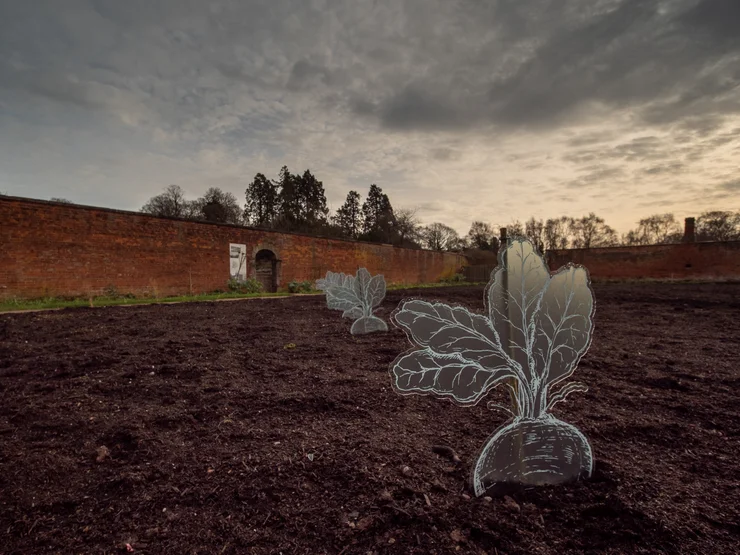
238 261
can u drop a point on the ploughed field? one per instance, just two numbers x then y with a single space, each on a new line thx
263 426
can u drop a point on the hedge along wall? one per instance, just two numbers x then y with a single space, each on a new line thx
57 249
710 260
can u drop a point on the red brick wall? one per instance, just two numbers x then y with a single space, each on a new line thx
51 249
679 261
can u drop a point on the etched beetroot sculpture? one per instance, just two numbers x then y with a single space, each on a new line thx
536 328
357 296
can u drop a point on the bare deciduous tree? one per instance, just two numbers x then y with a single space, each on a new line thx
591 232
407 228
171 203
441 237
557 233
534 230
654 230
718 225
482 236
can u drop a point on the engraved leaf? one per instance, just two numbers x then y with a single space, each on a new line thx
355 296
449 330
331 278
563 323
461 358
513 295
354 313
340 292
462 380
538 327
375 291
361 282
341 297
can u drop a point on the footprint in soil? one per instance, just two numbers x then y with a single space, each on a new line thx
666 382
122 444
168 423
308 404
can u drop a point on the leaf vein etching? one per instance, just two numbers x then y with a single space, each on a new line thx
357 296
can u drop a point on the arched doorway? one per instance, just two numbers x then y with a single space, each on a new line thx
265 265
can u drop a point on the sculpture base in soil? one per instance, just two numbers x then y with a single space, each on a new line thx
537 452
368 324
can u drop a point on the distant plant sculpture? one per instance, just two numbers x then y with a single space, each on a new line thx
357 296
536 328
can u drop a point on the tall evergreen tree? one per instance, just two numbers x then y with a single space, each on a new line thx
349 216
302 202
289 212
377 215
312 199
262 204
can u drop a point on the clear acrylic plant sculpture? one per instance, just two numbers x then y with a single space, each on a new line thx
536 328
358 296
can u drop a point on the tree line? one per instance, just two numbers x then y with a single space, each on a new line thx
297 203
592 231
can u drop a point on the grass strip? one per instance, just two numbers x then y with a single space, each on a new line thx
54 303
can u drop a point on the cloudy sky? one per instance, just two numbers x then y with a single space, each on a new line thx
465 109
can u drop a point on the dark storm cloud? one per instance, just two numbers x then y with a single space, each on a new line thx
358 105
591 138
303 73
640 149
731 186
234 72
444 154
413 94
418 109
668 61
716 17
597 175
431 206
672 151
51 86
670 168
572 67
415 66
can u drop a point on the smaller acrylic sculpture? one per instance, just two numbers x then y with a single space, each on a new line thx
535 330
357 296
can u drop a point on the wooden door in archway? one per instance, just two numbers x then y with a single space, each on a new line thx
265 264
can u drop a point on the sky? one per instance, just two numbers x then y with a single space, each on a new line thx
490 110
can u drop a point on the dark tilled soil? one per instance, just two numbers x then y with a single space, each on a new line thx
263 426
